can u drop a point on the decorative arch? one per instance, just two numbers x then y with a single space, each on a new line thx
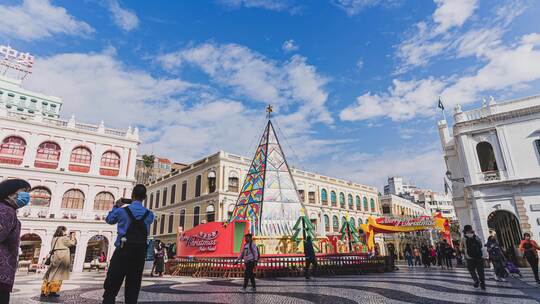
80 159
103 201
73 199
40 196
47 155
110 163
12 150
486 157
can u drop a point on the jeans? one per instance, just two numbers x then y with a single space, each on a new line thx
126 263
409 260
533 261
448 261
417 261
309 262
249 274
476 269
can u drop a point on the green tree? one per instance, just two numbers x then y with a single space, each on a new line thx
302 229
349 231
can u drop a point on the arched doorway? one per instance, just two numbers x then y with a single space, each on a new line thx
30 247
506 226
96 245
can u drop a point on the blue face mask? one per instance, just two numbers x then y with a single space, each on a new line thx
23 198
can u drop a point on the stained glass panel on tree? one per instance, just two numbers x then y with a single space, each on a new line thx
269 199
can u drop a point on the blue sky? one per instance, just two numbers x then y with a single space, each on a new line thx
354 82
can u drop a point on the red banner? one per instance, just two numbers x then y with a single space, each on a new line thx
211 239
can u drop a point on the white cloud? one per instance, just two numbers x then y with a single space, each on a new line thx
435 36
125 19
38 19
359 64
423 165
273 5
452 13
289 46
251 75
353 7
505 68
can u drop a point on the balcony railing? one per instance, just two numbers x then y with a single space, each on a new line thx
491 176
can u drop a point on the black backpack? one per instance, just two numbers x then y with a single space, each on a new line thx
136 233
474 248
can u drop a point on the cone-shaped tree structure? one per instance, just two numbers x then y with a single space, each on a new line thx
349 231
269 199
302 229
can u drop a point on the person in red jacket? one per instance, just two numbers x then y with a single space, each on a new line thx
529 248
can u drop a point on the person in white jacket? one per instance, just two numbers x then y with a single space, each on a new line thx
250 255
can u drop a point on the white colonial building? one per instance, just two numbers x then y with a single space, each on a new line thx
76 171
493 161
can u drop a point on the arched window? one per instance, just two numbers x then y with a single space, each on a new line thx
326 223
80 160
73 199
40 197
333 198
358 203
211 181
196 212
350 201
110 164
233 181
341 200
372 203
537 144
486 156
48 155
335 223
12 150
103 201
210 213
366 207
324 196
182 218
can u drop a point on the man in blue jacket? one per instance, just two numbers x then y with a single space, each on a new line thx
127 262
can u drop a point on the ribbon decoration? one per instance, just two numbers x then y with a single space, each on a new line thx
392 225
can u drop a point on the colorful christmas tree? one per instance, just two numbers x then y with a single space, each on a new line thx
349 231
268 198
303 225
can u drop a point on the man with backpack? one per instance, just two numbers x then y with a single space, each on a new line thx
128 259
472 246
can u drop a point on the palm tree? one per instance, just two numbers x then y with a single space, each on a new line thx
148 162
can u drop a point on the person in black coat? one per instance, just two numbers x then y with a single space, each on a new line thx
311 259
426 259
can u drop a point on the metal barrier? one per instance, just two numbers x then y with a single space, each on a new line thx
278 266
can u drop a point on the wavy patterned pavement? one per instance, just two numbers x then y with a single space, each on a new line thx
404 286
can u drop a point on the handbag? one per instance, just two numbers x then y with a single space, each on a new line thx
48 259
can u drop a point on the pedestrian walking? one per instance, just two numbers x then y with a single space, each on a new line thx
471 246
433 255
13 195
529 249
425 256
408 253
127 261
311 259
417 259
448 255
159 258
60 262
440 249
496 258
250 255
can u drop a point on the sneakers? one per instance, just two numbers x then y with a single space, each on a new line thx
476 284
242 290
253 289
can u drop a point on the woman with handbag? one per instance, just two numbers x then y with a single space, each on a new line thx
59 261
13 195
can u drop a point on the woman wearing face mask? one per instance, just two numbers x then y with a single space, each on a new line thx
60 262
529 248
13 195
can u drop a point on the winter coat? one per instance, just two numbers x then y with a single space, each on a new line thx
60 260
10 232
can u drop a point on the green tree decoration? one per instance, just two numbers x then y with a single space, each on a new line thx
303 225
348 230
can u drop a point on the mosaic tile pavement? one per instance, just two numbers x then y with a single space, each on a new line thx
415 285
